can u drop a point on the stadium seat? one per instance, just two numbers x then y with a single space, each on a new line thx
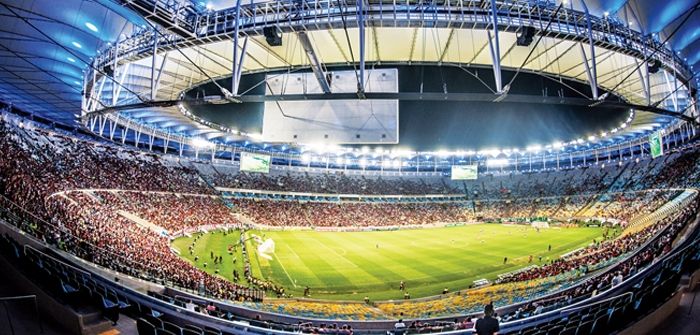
570 330
175 329
599 325
585 328
555 330
187 331
154 320
110 309
160 331
212 331
144 327
193 328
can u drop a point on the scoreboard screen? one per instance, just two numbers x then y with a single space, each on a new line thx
252 162
464 172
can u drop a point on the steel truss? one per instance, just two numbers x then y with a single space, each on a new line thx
183 26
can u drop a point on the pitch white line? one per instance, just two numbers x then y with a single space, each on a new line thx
285 271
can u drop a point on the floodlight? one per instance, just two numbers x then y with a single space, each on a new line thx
496 162
201 143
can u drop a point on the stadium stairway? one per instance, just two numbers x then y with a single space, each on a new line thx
54 297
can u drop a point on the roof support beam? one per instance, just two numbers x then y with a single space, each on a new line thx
238 65
316 65
160 72
589 73
643 79
153 66
494 47
670 89
235 63
118 89
361 28
591 70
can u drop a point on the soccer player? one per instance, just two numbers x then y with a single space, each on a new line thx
505 260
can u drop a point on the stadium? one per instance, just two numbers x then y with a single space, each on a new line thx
182 167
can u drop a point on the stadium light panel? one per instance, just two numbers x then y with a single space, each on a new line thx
200 143
71 59
305 158
557 145
496 162
591 138
534 148
363 162
77 45
91 26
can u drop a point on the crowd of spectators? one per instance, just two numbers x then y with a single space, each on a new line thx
666 231
334 183
94 230
37 163
590 256
78 188
318 214
172 212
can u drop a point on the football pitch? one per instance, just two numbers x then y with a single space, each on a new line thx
352 265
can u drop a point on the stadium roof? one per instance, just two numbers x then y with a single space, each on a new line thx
46 48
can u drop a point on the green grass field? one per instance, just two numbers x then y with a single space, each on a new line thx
218 243
350 266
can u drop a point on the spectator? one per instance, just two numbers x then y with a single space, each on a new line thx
487 325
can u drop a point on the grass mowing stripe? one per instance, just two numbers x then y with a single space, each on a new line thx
387 262
291 281
331 275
